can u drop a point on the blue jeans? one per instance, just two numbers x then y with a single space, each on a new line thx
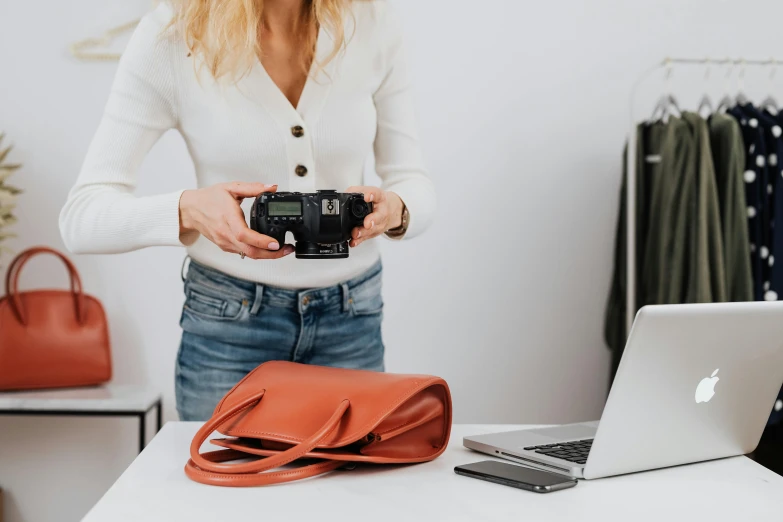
230 326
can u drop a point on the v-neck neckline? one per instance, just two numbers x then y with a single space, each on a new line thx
307 79
314 92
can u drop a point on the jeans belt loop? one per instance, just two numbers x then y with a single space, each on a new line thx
346 297
257 301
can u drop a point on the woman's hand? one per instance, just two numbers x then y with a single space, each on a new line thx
215 213
386 214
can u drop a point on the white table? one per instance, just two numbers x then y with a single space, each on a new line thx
99 401
155 488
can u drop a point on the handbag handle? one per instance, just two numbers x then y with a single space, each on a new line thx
208 468
12 283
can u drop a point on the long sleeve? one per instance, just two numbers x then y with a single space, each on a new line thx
398 156
102 215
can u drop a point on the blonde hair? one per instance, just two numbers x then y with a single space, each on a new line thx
224 33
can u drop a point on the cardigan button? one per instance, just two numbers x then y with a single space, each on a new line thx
301 171
297 131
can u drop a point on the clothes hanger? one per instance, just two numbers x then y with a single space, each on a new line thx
727 102
769 103
659 110
705 102
667 104
741 99
82 50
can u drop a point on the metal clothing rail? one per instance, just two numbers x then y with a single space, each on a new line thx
713 61
630 194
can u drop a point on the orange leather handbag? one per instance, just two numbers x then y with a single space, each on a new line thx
51 338
284 411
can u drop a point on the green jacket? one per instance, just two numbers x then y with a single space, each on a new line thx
706 270
664 262
679 243
728 155
662 153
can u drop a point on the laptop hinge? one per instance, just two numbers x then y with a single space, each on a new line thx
536 462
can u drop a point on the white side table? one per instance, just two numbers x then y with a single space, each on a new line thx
101 401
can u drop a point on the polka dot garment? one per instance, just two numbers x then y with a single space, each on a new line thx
773 126
763 136
773 140
756 181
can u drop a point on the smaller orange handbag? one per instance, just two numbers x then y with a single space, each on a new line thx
51 338
284 411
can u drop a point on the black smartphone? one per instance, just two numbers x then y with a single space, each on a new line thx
516 476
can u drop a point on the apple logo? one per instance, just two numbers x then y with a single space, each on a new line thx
706 388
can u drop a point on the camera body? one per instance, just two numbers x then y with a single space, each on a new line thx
321 223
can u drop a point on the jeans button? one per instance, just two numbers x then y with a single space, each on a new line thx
306 301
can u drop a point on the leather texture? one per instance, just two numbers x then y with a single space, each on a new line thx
284 411
51 338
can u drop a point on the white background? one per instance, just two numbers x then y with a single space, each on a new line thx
523 109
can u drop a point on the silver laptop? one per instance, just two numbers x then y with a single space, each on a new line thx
696 382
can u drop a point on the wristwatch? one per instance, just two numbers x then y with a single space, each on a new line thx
399 232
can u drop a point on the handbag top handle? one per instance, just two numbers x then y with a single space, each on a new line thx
12 282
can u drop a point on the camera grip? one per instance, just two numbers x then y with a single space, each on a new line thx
278 234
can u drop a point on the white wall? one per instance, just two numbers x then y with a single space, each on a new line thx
523 108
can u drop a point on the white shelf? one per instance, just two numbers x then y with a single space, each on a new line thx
118 398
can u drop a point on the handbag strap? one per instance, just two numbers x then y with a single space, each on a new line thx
12 282
209 469
254 479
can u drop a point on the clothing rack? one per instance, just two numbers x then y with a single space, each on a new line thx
667 64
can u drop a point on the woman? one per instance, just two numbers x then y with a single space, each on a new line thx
268 94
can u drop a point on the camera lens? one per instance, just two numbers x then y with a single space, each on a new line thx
359 209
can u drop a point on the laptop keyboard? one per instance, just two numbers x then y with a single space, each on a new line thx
575 451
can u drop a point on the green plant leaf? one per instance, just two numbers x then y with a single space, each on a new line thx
3 154
7 170
11 190
7 198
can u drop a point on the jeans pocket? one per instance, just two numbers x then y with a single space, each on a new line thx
205 302
366 297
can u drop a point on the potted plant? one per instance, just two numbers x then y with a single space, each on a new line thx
8 196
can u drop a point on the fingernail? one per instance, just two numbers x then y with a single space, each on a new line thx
372 224
288 249
273 246
372 196
270 186
358 235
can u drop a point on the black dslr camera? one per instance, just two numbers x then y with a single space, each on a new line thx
321 222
